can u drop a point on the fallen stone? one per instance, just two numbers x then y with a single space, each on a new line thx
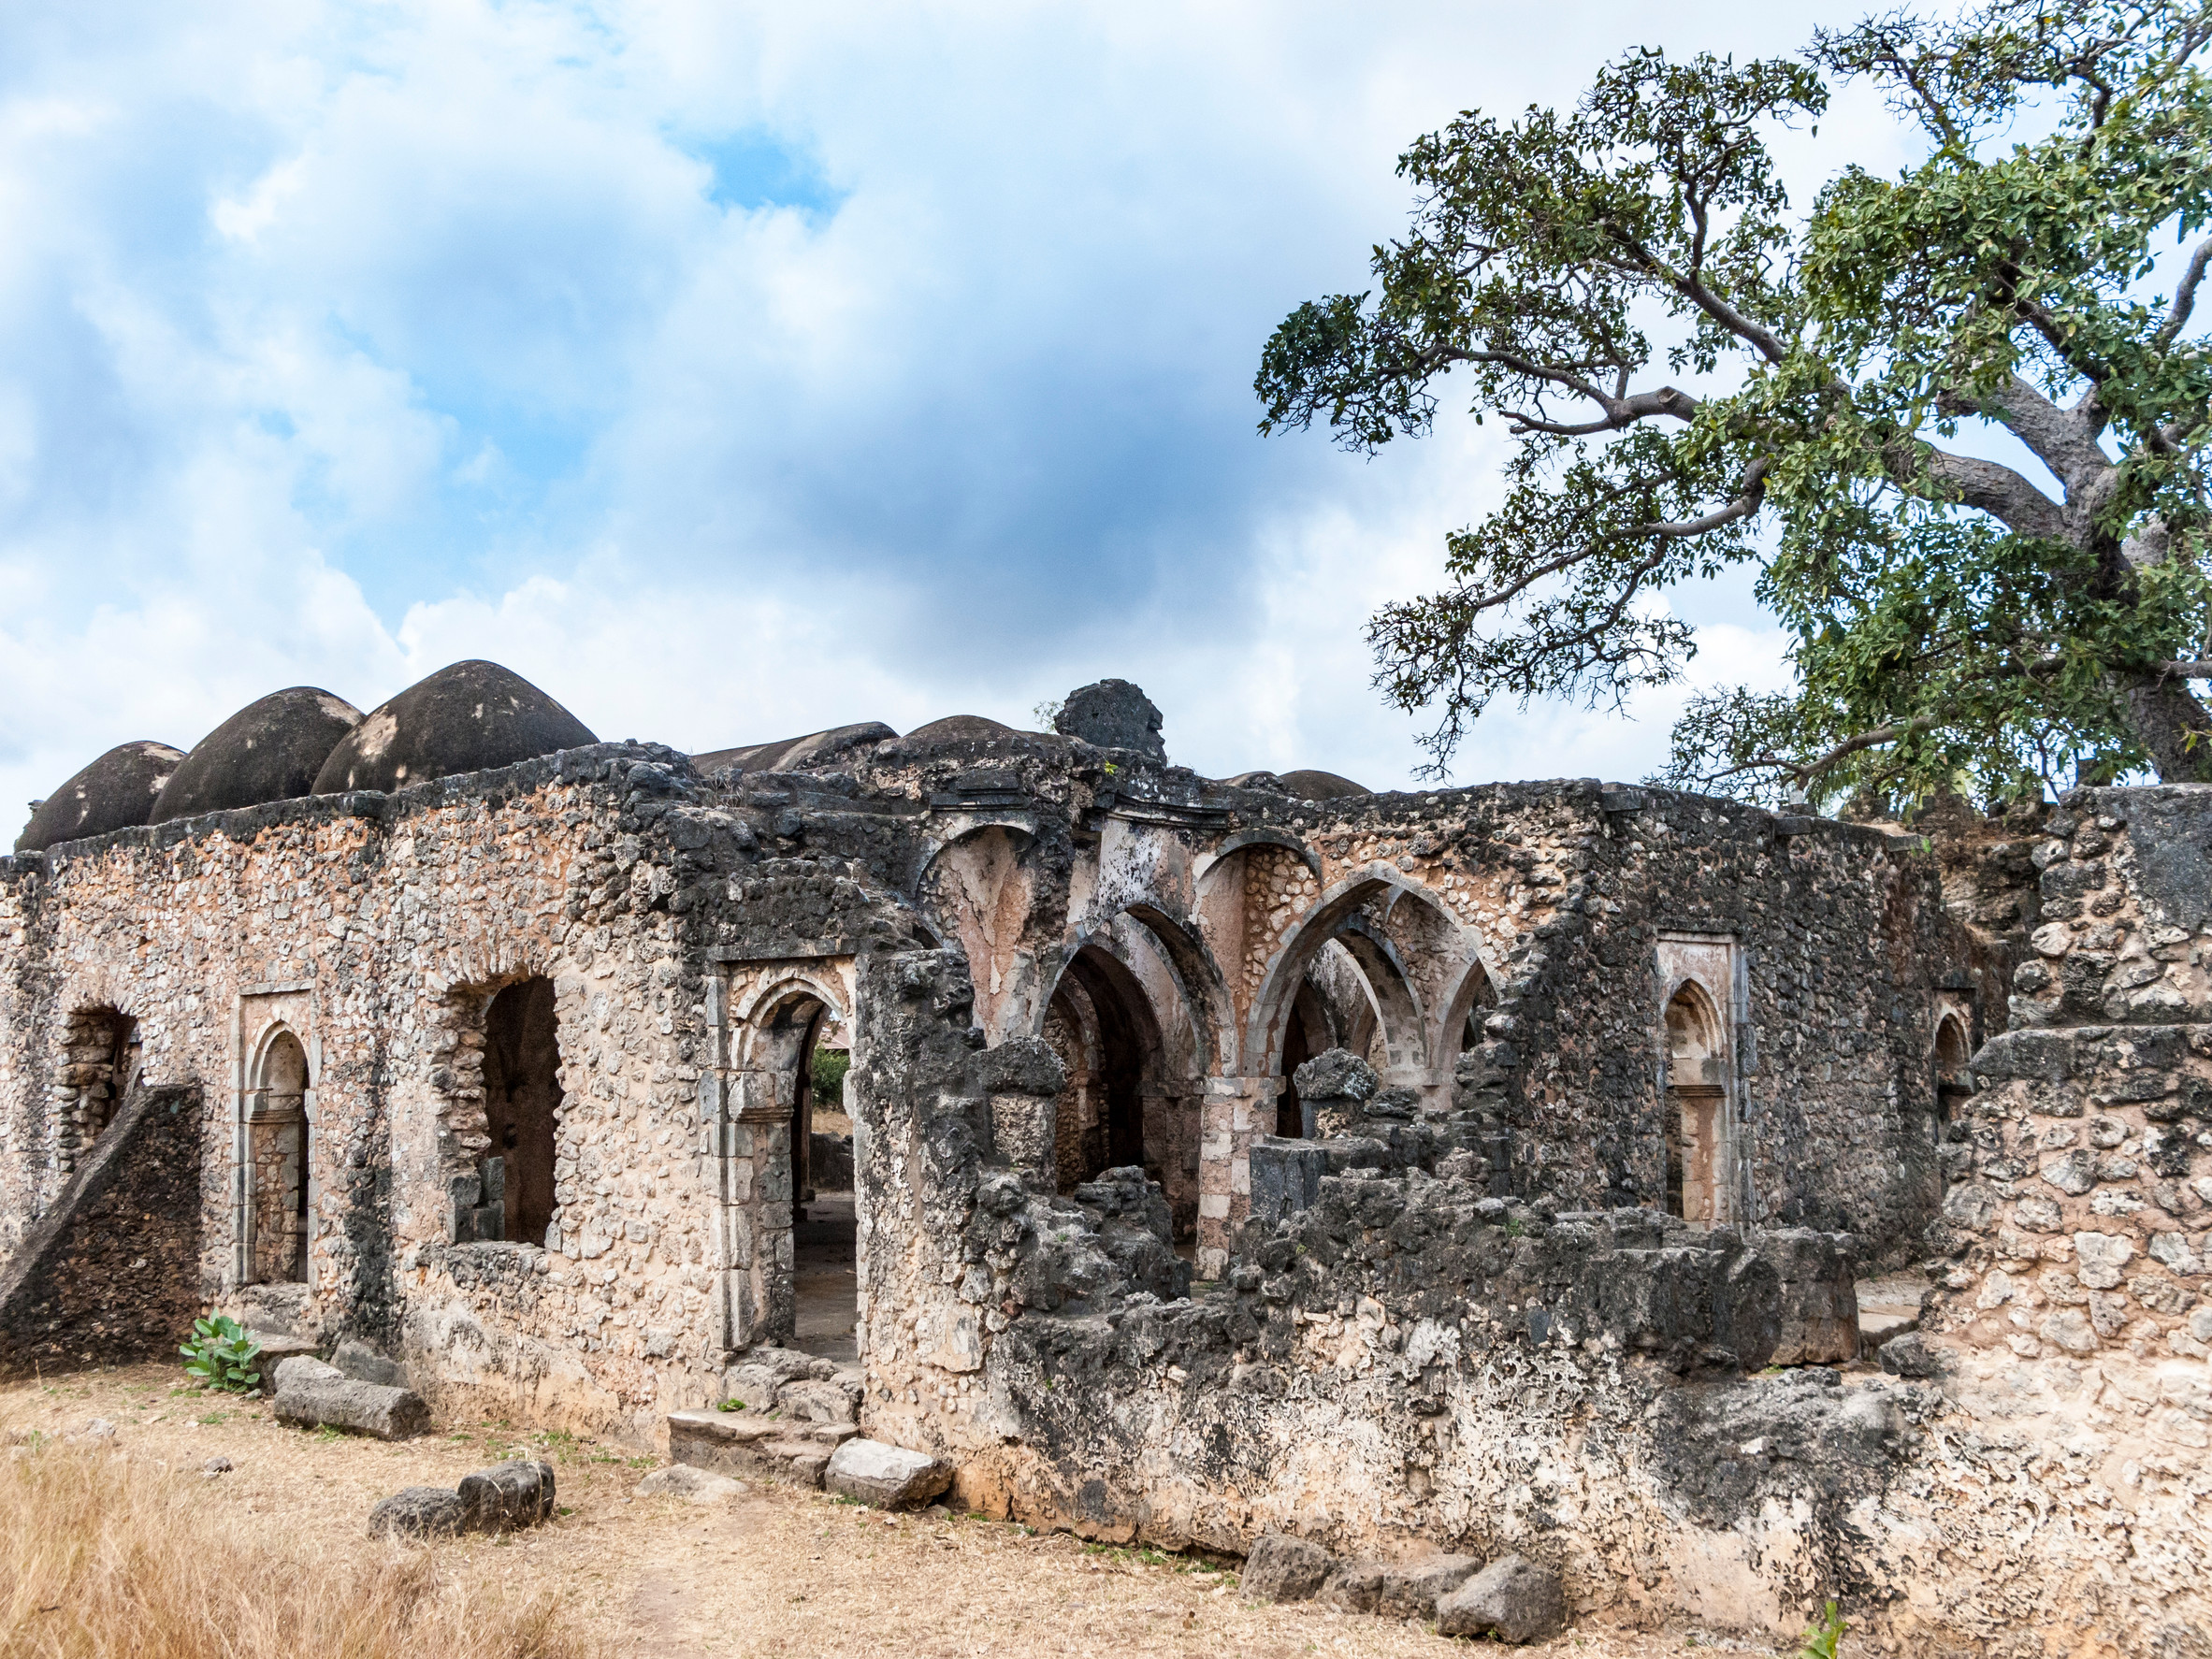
887 1476
98 1429
418 1512
699 1486
1281 1567
1911 1355
1411 1589
506 1496
215 1468
310 1395
1514 1600
1356 1586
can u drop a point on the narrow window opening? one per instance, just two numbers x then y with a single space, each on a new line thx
1694 1115
278 1178
522 1099
1954 1080
103 1064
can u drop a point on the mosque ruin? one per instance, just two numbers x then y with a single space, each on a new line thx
1514 1168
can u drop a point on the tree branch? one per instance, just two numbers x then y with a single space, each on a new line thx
2062 439
1619 411
1809 768
2183 671
1995 489
2185 297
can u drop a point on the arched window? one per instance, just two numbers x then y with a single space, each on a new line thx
522 1097
1954 1081
1696 1115
277 1178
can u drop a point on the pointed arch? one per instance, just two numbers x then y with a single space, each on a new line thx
279 1163
1426 951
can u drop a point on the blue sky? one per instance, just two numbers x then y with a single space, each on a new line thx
738 371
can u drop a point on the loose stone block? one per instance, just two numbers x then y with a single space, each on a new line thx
418 1512
1513 1599
310 1395
507 1496
1283 1567
887 1476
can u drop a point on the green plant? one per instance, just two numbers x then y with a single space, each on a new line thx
1826 1632
1840 371
830 1066
220 1354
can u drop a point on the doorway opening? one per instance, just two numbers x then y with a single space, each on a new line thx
522 1098
803 1041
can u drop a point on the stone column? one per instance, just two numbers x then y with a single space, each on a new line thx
762 1144
1022 1079
1233 1107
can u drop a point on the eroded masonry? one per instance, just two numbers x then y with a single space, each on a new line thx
1725 1209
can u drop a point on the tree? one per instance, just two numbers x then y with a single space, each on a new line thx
1951 619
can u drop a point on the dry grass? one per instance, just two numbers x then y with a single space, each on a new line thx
105 1558
132 1559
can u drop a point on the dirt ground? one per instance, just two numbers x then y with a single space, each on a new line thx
779 1572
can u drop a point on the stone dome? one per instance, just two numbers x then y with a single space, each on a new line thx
469 717
269 750
788 754
114 792
1321 785
960 729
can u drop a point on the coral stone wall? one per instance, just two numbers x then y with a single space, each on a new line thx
2082 1218
112 1273
1844 945
376 930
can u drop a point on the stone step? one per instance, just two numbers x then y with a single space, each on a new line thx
759 1445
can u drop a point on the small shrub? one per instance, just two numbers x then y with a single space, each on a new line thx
220 1354
830 1066
1827 1631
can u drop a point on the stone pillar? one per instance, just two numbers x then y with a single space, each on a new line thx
1285 1177
1233 1107
761 1143
1022 1079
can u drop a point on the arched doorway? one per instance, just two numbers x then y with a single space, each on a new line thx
809 1288
1102 1025
279 1177
1696 1112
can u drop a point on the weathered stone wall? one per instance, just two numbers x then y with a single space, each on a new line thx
376 928
1410 1364
112 1274
2079 1221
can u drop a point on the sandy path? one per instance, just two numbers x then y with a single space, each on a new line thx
781 1572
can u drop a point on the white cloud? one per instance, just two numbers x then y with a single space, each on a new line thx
337 343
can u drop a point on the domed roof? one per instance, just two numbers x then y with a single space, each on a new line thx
788 754
269 750
114 792
960 728
469 717
1321 785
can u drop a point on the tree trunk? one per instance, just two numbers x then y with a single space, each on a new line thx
2167 717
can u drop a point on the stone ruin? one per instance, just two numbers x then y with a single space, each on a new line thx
1715 1210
